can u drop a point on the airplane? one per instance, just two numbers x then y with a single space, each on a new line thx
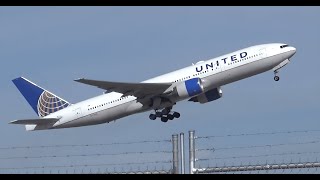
201 82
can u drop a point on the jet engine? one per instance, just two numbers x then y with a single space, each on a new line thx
208 96
189 88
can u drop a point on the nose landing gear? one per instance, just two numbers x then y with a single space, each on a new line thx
276 78
278 67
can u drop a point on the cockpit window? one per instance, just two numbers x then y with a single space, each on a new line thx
283 46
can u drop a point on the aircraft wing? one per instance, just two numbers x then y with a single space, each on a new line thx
35 121
139 90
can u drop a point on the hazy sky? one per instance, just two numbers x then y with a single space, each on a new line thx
52 46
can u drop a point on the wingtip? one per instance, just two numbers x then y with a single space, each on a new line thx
78 80
12 122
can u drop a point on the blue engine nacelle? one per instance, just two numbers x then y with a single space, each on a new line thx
208 96
189 88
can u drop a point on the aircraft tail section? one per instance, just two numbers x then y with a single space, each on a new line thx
42 101
36 124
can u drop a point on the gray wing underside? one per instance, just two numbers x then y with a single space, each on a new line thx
139 90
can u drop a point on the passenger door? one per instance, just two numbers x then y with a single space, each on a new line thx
77 112
263 52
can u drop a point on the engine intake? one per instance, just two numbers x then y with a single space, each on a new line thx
189 88
208 96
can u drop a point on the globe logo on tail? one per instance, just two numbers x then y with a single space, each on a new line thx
49 103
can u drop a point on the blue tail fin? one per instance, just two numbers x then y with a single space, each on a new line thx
42 101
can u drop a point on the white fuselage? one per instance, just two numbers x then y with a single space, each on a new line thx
214 73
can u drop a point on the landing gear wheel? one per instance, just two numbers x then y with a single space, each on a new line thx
170 117
176 114
276 78
164 119
158 114
152 116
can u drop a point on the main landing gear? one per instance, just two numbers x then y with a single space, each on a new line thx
165 115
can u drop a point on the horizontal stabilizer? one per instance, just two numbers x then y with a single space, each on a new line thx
35 121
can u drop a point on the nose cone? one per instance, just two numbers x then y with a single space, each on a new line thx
292 51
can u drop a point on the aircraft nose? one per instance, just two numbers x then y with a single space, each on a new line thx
292 51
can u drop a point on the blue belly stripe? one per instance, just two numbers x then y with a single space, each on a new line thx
193 86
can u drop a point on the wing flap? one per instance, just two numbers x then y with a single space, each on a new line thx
35 121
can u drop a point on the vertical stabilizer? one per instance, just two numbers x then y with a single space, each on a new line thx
42 101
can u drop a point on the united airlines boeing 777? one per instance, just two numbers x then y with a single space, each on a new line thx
201 82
